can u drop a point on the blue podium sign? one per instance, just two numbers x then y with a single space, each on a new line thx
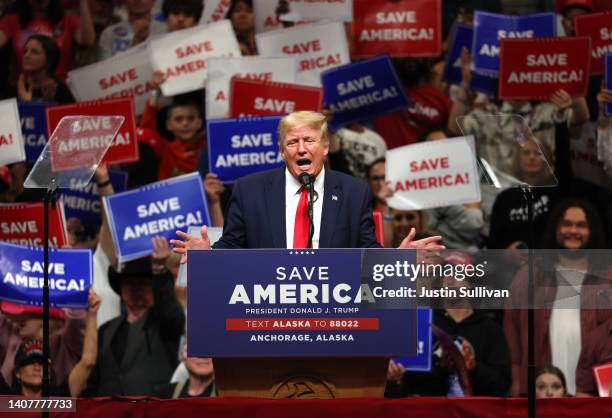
298 303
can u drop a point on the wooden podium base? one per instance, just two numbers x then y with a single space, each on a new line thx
304 378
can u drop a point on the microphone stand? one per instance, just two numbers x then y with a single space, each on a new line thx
311 197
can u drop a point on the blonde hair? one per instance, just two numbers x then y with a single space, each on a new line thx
547 156
303 118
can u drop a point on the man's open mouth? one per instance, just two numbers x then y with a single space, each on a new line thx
303 162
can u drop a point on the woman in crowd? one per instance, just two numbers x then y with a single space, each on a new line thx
47 17
241 15
569 285
37 81
550 383
509 223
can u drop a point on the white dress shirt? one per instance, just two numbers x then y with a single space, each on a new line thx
292 198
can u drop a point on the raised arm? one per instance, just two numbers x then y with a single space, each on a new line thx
77 379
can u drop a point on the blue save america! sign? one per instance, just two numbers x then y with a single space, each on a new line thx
160 208
489 28
306 303
21 275
237 147
359 91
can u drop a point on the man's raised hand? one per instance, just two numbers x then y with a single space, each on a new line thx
190 242
429 243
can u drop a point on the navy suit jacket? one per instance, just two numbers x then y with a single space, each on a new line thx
255 216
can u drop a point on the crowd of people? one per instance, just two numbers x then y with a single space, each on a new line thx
131 339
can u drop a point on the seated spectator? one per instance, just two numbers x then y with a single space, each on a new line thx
596 350
568 287
182 14
241 15
480 340
137 350
66 328
138 27
28 363
550 383
37 81
47 18
460 225
200 383
180 156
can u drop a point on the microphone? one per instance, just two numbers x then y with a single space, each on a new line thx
307 180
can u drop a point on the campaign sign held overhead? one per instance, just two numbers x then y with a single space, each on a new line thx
22 272
290 303
312 10
533 69
261 98
317 47
83 202
126 74
33 127
124 147
215 10
22 223
221 70
598 27
181 55
12 149
404 28
161 208
362 90
490 28
264 12
462 36
432 174
237 147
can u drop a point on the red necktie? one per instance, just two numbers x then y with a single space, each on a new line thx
302 223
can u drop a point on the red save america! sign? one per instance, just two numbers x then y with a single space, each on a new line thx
256 98
536 68
405 28
22 224
598 27
124 148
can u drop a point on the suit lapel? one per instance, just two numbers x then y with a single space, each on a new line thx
332 198
275 202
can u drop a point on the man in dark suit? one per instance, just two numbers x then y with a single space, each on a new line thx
269 209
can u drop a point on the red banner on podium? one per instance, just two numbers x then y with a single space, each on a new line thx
125 146
536 68
22 224
598 27
405 28
256 98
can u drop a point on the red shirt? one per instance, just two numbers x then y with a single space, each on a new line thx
62 32
429 107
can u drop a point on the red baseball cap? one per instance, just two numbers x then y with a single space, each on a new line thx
11 308
561 5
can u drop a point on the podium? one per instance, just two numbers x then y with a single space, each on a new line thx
298 324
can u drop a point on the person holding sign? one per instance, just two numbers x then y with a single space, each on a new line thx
569 9
182 14
604 136
27 371
241 15
269 209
